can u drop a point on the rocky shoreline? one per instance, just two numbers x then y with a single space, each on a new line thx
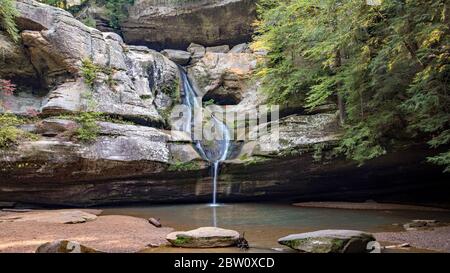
49 230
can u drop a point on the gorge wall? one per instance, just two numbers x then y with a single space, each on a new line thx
135 157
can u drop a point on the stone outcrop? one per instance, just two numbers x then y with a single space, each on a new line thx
177 56
329 241
175 24
133 82
204 237
224 78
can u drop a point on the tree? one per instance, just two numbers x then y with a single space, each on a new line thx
387 66
8 13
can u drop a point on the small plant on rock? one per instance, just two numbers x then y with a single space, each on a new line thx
88 130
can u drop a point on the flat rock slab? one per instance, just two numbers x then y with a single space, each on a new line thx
51 216
111 233
329 241
204 237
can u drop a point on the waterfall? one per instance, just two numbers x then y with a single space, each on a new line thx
215 150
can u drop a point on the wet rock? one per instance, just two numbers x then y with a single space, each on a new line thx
56 217
218 49
177 56
329 241
175 24
155 222
65 246
205 237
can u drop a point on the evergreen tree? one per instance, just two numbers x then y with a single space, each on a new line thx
387 67
7 14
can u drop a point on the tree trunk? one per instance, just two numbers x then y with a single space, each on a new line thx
340 99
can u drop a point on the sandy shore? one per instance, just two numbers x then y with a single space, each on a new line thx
437 239
365 206
107 233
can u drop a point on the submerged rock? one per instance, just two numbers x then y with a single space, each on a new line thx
329 241
65 246
204 237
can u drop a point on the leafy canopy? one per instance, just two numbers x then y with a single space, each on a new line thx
390 64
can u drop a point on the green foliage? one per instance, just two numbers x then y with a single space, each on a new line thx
208 103
89 71
56 3
182 240
88 130
184 166
90 22
389 63
173 90
117 10
8 13
10 135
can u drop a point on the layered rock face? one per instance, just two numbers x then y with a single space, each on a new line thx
175 24
128 81
65 67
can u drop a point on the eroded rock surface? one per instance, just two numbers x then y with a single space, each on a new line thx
175 24
128 81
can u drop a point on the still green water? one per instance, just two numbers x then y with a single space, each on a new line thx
264 223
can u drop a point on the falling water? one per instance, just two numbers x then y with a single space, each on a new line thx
214 151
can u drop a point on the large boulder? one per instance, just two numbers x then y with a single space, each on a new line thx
64 246
175 24
204 237
329 241
224 78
